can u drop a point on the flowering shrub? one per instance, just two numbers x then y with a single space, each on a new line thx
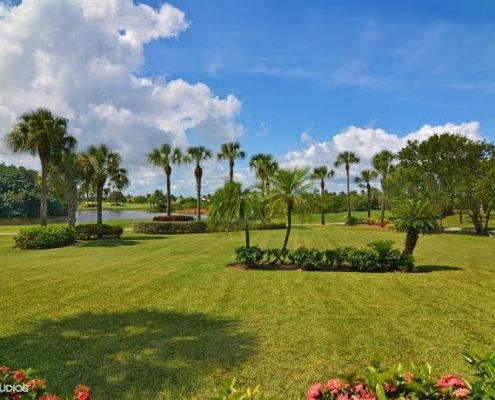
394 383
23 385
176 218
44 237
89 231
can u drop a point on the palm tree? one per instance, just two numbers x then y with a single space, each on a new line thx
289 187
414 217
347 158
382 162
41 133
364 181
322 173
264 166
231 151
234 205
164 157
101 165
197 154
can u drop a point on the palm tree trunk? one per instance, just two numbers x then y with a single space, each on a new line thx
246 234
287 232
231 171
169 197
368 189
382 208
322 185
99 207
411 240
348 193
44 193
460 216
72 206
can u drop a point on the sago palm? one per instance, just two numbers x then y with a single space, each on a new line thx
364 181
233 205
41 133
164 156
322 173
196 155
101 165
264 167
347 158
289 188
383 165
414 217
231 152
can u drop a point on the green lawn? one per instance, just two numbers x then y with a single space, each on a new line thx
163 317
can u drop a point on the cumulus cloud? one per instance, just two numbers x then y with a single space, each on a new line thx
82 58
365 142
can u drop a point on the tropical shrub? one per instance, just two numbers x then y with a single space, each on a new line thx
309 259
90 231
251 255
362 259
20 384
44 237
387 255
168 227
351 220
174 218
272 254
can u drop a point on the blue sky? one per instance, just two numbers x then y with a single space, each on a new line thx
303 80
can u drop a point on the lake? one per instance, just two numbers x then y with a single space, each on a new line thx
86 216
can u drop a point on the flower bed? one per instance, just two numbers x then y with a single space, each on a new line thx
174 218
19 384
169 227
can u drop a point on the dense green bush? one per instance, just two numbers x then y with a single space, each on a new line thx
44 237
174 218
352 220
168 227
90 231
379 256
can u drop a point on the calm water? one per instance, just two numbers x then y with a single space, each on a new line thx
87 216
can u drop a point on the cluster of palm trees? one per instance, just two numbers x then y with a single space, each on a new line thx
44 134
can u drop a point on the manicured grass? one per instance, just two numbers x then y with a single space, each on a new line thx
164 318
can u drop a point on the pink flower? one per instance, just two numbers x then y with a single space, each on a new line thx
461 393
335 385
389 388
18 376
408 377
343 396
315 392
450 380
49 397
82 392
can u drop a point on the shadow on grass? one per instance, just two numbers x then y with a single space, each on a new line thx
125 241
435 268
129 355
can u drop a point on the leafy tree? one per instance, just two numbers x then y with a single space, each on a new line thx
164 157
101 165
322 173
347 158
41 133
157 200
414 217
233 205
264 166
383 165
231 152
196 155
289 188
364 181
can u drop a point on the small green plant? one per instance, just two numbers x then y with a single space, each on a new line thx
387 255
90 231
309 259
351 220
251 255
45 237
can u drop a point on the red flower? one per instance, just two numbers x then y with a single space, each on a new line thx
389 388
36 384
450 380
4 369
315 392
335 385
49 397
19 376
82 392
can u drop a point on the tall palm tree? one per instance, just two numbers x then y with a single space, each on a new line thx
322 173
231 152
364 181
383 165
196 155
41 133
101 165
234 205
414 217
289 187
164 157
264 166
347 158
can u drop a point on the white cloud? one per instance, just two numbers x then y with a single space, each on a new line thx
365 142
81 58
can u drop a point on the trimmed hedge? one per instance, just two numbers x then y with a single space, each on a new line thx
44 237
90 231
174 218
169 227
